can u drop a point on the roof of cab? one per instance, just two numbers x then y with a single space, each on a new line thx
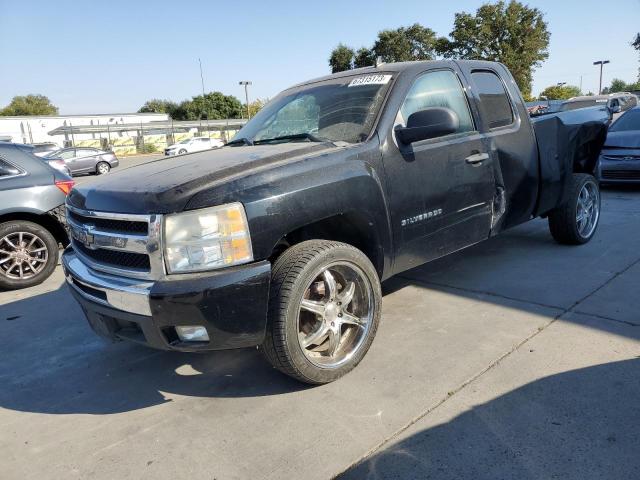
399 67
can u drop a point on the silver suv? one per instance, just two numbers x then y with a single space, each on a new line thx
32 221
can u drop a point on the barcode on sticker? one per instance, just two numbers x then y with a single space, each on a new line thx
370 80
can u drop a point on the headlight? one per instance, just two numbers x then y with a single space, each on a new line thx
206 239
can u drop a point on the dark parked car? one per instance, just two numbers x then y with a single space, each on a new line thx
86 160
620 156
281 239
32 216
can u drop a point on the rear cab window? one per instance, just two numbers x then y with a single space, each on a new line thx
495 106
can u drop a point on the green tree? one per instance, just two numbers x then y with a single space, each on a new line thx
254 107
341 58
400 45
405 44
618 85
364 57
212 106
560 92
29 105
514 34
156 105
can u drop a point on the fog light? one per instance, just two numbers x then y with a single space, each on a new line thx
192 333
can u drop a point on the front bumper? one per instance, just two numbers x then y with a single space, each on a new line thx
230 303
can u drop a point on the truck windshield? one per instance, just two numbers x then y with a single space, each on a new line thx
337 110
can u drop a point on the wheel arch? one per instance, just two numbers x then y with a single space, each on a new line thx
353 228
46 220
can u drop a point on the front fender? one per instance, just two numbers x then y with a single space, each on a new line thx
282 200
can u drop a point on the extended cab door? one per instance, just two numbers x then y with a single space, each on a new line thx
509 140
441 189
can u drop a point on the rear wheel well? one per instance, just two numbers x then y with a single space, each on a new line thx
47 220
351 228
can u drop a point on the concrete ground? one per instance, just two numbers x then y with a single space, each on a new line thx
515 359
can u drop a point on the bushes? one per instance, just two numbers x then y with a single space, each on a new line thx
147 148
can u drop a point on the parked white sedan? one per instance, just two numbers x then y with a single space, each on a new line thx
194 144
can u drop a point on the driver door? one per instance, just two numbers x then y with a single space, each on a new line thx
442 188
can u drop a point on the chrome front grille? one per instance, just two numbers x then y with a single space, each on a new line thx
117 243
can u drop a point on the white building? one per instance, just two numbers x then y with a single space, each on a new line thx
35 129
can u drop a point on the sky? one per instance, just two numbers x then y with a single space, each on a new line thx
110 57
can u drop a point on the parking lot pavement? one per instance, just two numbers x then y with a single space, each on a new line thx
517 358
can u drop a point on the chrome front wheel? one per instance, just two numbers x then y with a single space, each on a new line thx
335 314
324 310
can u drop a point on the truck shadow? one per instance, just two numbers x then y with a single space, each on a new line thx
61 367
574 425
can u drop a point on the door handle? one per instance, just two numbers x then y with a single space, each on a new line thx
476 158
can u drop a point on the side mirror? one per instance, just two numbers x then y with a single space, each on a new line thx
428 123
616 109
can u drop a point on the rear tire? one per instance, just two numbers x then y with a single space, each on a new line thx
102 168
38 246
321 325
576 221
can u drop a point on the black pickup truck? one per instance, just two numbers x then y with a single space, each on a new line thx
281 238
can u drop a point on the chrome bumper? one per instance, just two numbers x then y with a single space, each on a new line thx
128 295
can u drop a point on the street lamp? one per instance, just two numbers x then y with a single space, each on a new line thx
246 95
602 63
561 84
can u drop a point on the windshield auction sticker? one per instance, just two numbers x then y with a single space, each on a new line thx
370 80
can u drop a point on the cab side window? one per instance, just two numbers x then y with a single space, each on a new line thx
495 106
438 89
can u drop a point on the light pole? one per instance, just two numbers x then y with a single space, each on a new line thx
246 95
602 63
561 84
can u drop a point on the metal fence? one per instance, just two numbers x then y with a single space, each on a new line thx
135 138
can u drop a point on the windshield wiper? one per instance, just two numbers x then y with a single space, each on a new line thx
243 141
296 136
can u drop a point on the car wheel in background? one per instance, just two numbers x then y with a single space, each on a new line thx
324 310
575 222
102 168
28 254
182 151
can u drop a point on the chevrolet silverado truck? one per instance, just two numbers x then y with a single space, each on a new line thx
281 239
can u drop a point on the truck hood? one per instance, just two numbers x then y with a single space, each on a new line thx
626 139
167 184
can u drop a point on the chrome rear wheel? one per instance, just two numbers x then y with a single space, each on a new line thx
588 209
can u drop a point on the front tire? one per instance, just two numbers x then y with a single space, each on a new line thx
182 151
576 222
324 311
28 254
